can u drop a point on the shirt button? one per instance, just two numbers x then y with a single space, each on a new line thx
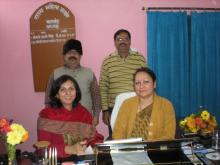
151 124
150 133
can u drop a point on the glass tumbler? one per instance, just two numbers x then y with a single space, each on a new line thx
216 139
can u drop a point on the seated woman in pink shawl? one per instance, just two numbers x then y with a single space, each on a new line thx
65 123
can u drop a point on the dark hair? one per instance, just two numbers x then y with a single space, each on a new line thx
147 71
72 44
122 31
55 102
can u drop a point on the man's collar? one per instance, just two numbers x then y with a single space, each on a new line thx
78 67
130 52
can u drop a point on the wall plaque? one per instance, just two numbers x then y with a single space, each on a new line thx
50 26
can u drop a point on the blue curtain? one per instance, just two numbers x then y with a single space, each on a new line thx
205 62
168 57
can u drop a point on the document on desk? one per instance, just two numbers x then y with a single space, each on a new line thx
132 143
118 141
138 157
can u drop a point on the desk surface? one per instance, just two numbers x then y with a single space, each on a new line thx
172 155
106 159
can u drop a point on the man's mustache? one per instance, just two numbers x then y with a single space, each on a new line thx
72 58
122 44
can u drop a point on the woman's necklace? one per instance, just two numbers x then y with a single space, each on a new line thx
143 103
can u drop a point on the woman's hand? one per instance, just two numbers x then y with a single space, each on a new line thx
76 149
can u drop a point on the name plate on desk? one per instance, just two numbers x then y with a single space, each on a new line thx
124 144
148 152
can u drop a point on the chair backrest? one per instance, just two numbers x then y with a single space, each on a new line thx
118 102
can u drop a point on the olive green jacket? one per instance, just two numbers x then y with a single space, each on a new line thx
162 123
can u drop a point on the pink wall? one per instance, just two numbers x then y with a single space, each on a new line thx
96 22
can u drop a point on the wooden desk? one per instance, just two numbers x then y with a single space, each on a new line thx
173 155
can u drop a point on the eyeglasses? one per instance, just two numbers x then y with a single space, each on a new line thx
123 39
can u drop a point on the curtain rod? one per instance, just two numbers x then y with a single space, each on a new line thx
177 8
